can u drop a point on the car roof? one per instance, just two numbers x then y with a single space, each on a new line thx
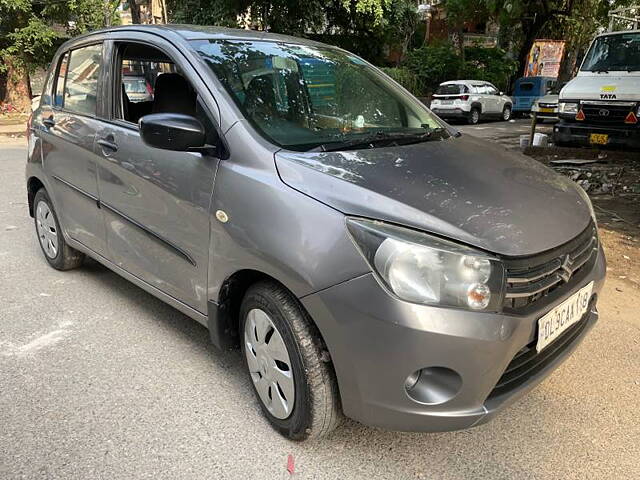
463 82
200 32
620 32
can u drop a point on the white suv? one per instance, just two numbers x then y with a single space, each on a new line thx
471 100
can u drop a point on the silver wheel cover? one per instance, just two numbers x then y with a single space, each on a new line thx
269 364
47 231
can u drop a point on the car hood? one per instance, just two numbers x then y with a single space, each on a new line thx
548 99
461 188
599 86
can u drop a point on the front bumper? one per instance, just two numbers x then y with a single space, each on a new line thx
546 115
572 133
376 341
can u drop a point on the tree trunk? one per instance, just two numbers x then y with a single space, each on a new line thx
15 88
135 12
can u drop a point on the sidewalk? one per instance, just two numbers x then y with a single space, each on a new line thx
13 126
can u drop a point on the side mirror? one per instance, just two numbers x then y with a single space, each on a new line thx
501 93
172 131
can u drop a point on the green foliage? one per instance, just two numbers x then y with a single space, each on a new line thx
31 44
27 35
198 12
404 77
490 64
374 8
433 64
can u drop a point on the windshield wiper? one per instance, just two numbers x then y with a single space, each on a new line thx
379 137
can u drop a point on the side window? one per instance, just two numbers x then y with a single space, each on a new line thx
81 87
58 95
491 90
150 82
45 99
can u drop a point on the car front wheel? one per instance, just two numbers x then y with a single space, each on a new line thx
288 364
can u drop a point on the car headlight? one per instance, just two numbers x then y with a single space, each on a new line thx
568 107
535 107
424 269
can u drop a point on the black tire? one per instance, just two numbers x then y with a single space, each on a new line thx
506 113
66 257
316 410
474 116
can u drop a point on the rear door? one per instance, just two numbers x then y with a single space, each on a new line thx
69 124
155 202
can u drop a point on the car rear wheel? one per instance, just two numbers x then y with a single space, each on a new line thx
59 255
474 116
288 363
506 113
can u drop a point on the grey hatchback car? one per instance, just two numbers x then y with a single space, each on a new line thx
367 259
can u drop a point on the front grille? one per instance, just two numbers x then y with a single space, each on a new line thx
607 113
547 105
528 361
531 278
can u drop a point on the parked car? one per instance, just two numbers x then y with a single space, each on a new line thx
600 107
137 88
528 89
368 259
546 108
470 100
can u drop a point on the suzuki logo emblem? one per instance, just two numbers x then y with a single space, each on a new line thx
566 272
603 112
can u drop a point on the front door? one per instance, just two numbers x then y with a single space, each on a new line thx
69 124
155 202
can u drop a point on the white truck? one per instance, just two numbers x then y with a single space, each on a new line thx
601 105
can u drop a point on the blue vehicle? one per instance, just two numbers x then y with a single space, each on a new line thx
528 89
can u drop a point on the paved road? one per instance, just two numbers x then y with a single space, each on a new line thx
99 380
505 133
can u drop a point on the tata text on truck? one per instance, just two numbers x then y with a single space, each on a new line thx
601 105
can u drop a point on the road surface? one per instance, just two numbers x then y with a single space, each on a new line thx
100 380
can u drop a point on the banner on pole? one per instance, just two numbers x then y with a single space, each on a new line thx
544 58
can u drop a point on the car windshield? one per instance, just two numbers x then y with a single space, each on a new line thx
135 85
619 52
451 89
305 97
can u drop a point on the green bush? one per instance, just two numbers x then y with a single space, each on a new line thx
490 64
432 65
404 77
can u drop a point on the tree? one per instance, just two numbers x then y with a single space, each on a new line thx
460 12
281 16
28 37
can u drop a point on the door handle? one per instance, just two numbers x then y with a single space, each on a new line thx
107 144
49 122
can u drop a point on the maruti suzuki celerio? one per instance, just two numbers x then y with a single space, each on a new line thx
369 260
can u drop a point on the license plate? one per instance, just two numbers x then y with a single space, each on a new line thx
563 316
599 138
446 102
546 110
